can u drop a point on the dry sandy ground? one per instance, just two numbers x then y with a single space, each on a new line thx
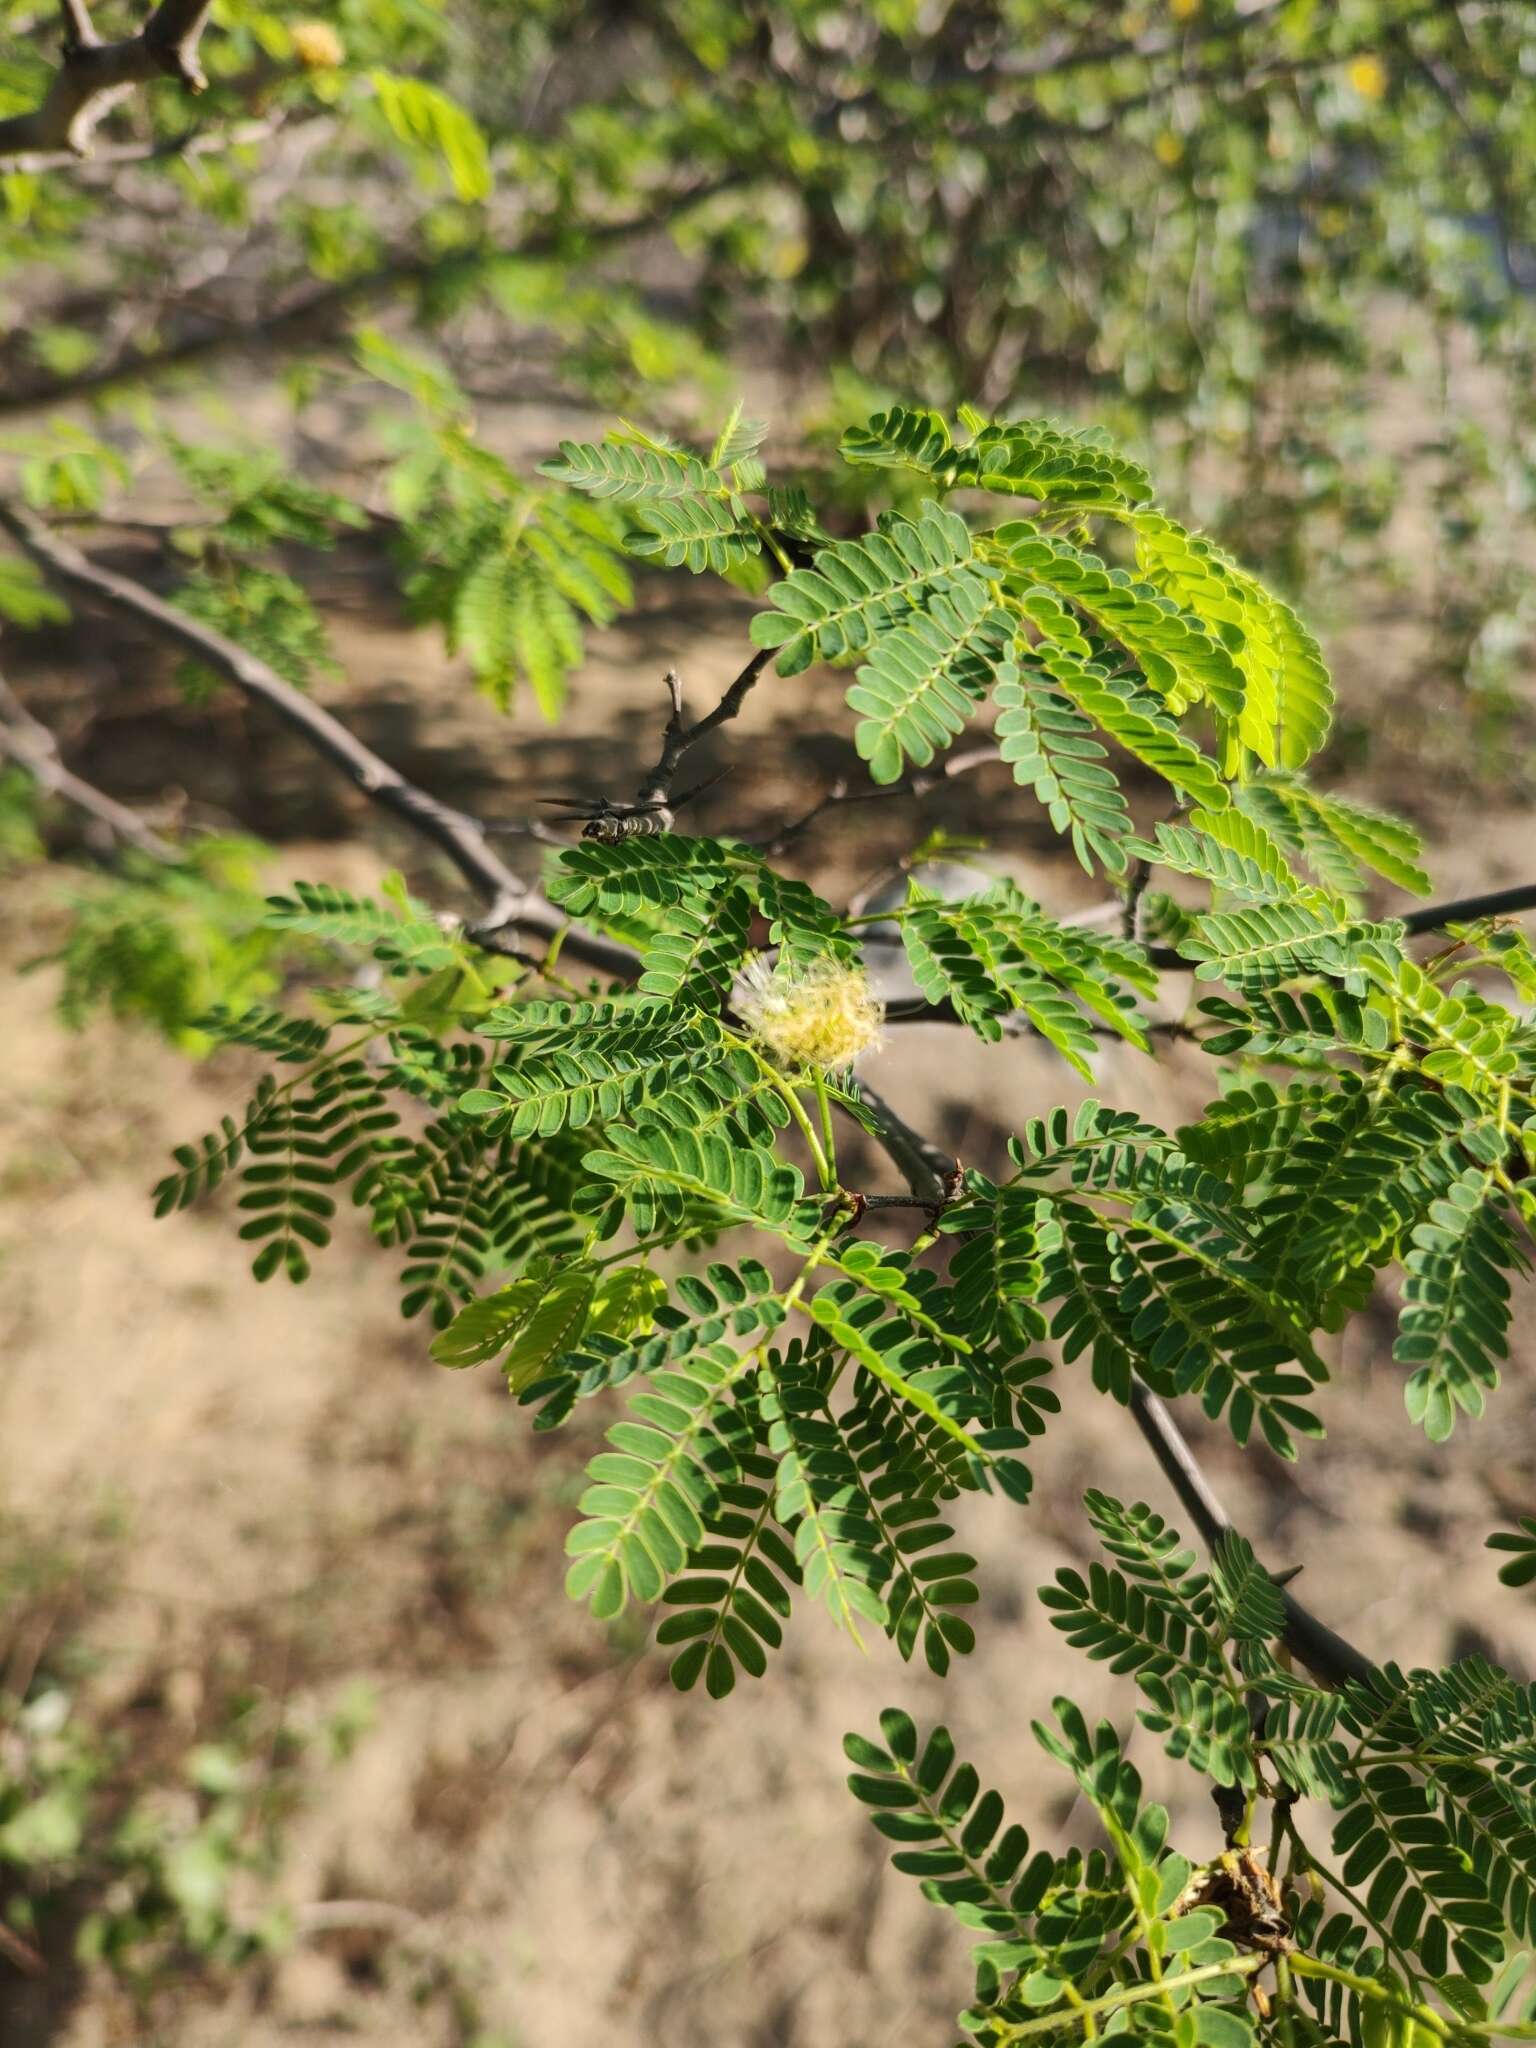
304 1501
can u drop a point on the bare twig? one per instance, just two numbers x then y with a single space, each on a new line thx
192 142
917 784
79 29
679 736
22 1953
93 76
28 742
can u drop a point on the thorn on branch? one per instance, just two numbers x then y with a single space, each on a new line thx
172 34
679 736
932 1205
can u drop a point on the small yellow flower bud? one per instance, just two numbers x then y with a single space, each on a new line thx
317 45
1368 75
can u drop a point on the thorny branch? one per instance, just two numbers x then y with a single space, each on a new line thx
679 736
93 76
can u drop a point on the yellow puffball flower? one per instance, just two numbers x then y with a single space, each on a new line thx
822 1015
1181 10
1168 149
1368 75
317 45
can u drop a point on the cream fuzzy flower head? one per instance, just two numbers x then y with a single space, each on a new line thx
823 1014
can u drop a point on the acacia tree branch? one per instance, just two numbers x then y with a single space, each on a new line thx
1434 917
28 742
79 29
461 838
464 839
926 1167
929 1171
93 76
513 902
192 142
1326 1655
680 736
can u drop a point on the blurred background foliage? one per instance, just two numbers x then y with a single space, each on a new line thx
1284 251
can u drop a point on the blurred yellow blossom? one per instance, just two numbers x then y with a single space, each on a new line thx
1368 75
317 45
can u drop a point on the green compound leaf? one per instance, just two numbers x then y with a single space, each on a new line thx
1455 1319
924 680
1052 748
643 1512
859 590
661 1172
